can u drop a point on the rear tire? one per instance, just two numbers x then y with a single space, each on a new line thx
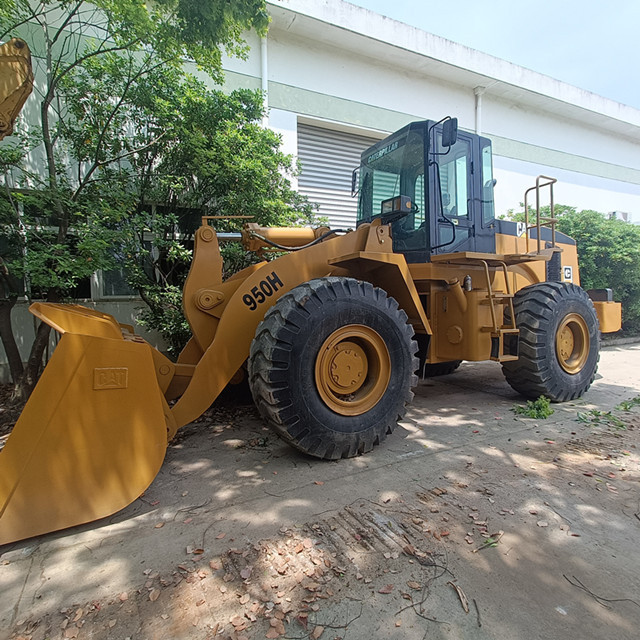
559 342
332 366
431 370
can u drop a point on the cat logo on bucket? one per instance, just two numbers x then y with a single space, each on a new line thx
110 378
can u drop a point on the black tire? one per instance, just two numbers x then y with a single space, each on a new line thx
431 370
559 342
287 354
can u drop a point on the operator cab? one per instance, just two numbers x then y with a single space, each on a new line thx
434 185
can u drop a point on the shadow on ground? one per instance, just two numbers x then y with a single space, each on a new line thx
530 525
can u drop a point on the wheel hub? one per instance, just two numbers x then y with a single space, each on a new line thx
348 367
572 343
352 370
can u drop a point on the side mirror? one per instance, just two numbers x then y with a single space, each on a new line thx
449 132
354 182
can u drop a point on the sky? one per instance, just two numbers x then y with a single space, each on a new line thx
592 45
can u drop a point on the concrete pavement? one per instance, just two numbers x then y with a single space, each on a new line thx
535 522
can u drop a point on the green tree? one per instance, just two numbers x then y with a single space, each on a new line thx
608 254
213 159
95 63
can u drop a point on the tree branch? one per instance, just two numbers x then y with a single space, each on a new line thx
104 163
123 94
66 22
17 25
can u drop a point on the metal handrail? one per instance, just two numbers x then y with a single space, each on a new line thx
540 221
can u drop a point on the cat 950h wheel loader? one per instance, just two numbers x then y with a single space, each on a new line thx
331 335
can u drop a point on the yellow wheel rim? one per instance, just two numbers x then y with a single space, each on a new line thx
353 369
572 343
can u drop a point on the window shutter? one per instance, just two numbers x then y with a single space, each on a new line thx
328 159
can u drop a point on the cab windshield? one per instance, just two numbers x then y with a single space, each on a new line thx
394 168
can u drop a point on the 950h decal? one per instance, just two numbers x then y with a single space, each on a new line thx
263 290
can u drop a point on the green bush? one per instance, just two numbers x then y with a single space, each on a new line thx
609 256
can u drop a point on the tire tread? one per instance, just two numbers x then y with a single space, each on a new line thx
268 367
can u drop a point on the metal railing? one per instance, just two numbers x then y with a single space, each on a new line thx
541 221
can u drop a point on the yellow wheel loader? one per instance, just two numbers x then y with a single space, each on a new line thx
331 335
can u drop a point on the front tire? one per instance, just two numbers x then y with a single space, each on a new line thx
332 366
559 342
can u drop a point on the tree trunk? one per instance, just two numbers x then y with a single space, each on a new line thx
14 359
29 378
32 371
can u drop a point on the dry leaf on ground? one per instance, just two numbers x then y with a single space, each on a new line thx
463 598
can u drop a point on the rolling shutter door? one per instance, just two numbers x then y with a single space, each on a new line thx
328 158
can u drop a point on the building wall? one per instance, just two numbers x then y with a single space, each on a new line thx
353 80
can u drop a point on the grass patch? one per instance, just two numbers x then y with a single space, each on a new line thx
605 418
539 409
627 405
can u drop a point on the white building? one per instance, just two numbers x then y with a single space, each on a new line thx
339 77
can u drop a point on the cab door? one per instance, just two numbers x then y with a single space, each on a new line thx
452 201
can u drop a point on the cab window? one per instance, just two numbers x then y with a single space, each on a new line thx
454 175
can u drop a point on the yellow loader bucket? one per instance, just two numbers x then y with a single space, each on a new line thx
92 436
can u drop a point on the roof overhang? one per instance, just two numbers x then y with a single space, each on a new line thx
341 25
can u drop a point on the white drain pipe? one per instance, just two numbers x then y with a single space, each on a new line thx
264 72
478 92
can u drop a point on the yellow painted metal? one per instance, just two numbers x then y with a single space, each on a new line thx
540 221
16 82
74 318
94 433
458 334
572 343
530 272
205 273
257 291
390 272
90 440
256 237
609 316
352 370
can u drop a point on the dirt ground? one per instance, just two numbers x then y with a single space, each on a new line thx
468 522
